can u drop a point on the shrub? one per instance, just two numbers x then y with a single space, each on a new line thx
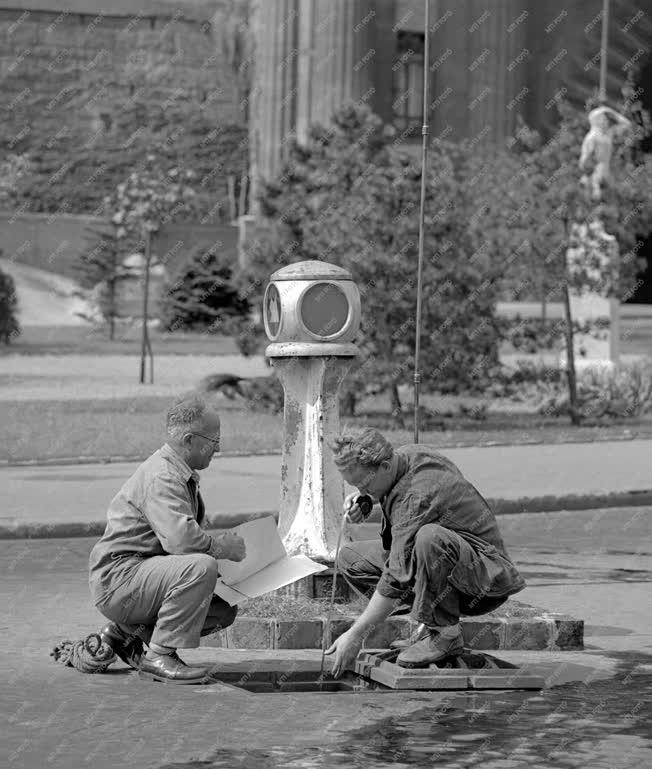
603 393
9 326
532 335
201 296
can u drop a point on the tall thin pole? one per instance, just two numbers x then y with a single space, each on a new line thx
144 347
603 51
422 210
614 302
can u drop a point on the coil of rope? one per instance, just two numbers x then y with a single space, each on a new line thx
90 655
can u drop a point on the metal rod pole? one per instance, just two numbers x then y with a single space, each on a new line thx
422 209
614 303
332 601
143 336
603 51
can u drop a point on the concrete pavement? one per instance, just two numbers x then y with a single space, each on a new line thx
71 500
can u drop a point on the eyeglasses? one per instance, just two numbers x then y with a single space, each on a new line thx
215 442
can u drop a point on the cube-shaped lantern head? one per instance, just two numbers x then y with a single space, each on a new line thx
311 301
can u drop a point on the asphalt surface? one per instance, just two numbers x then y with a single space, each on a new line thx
594 564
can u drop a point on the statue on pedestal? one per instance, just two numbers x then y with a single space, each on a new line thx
606 124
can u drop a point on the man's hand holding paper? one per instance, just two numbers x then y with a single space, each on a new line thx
231 546
265 567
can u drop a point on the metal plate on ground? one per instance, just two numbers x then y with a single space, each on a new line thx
469 670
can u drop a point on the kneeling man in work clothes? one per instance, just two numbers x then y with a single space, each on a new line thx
154 570
440 552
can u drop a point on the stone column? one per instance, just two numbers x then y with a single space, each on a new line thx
336 58
272 99
499 56
312 489
478 85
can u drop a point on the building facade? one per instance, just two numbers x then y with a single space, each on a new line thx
491 63
74 71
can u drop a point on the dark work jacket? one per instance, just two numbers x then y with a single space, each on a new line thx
429 488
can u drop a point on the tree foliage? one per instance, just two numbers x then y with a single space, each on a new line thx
70 168
100 270
13 169
147 199
350 196
555 238
540 198
150 197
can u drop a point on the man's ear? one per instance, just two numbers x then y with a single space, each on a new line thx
186 440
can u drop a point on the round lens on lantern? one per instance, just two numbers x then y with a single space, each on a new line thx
324 309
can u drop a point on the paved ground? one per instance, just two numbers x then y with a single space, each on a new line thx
593 564
45 298
79 494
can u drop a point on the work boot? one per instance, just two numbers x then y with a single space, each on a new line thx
438 644
171 669
421 631
128 647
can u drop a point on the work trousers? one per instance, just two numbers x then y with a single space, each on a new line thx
431 597
168 600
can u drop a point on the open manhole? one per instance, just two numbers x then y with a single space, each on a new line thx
286 682
342 686
375 673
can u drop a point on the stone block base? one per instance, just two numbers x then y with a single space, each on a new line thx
318 586
551 632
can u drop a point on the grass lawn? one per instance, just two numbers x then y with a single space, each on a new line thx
131 427
134 427
82 340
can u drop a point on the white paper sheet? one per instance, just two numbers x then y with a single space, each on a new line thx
263 545
266 566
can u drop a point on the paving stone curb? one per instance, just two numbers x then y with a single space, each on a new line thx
90 529
548 632
544 504
551 503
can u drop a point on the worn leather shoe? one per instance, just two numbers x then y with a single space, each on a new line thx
128 647
171 669
421 631
438 644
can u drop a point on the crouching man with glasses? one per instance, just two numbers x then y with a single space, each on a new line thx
153 572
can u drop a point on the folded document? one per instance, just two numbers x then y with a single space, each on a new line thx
266 566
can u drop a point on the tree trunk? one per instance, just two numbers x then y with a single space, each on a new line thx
151 359
230 184
145 344
570 359
396 405
112 290
242 205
